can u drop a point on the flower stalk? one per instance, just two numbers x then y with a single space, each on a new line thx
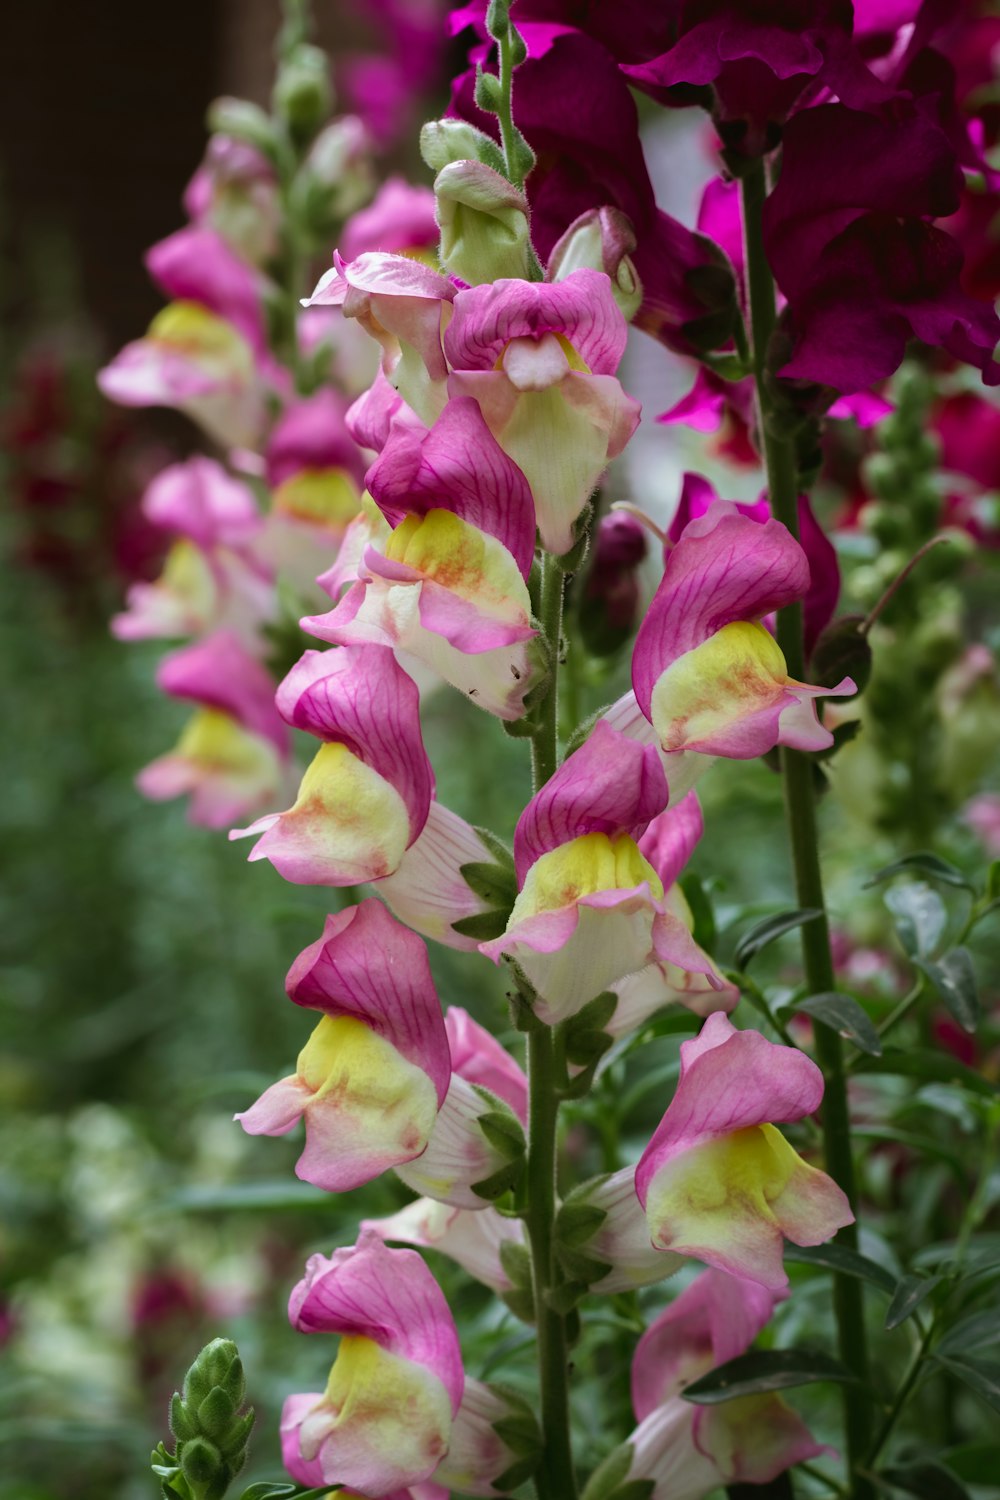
797 771
555 1478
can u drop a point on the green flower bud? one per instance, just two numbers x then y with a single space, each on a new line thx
484 223
303 95
489 94
842 651
242 120
445 141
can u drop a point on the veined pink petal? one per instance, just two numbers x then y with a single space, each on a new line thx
670 839
725 568
367 965
611 785
457 465
359 697
581 308
220 673
713 1320
374 413
385 1295
200 500
478 1057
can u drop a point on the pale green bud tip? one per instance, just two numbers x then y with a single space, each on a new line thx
445 141
303 94
484 223
243 120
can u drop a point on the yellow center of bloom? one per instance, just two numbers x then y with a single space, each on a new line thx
326 497
382 1403
594 862
736 672
713 1194
352 1069
192 329
187 577
458 556
351 814
217 742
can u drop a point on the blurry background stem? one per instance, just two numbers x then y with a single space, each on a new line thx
782 485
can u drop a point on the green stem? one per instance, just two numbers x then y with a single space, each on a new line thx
505 114
902 1396
782 484
555 1479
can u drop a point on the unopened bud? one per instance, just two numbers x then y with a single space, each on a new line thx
610 603
489 94
602 239
211 1434
484 223
445 141
842 651
243 121
302 93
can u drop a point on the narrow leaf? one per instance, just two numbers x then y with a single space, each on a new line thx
764 932
843 1014
920 917
954 979
980 1375
928 864
976 1463
848 1262
766 1370
698 900
978 1331
934 1067
925 1479
909 1294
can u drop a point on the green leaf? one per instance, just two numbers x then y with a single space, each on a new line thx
934 1067
847 1262
955 981
909 1294
764 932
980 1375
698 900
978 1331
266 1489
976 1463
920 917
766 1370
925 1479
844 1015
252 1196
928 864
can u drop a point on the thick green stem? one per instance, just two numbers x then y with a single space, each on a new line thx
782 484
555 1479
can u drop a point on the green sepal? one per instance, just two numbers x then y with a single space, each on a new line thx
183 1423
483 926
498 1182
516 1262
610 1474
518 1472
520 729
563 1298
521 1301
201 1463
519 1429
234 1445
572 561
493 883
577 1223
504 1132
585 1269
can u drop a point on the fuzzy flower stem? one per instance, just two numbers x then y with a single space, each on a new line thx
555 1478
782 484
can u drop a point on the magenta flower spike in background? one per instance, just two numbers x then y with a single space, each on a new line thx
197 265
365 797
706 673
717 1180
233 757
540 359
400 218
212 577
690 1450
385 1419
590 908
375 1072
